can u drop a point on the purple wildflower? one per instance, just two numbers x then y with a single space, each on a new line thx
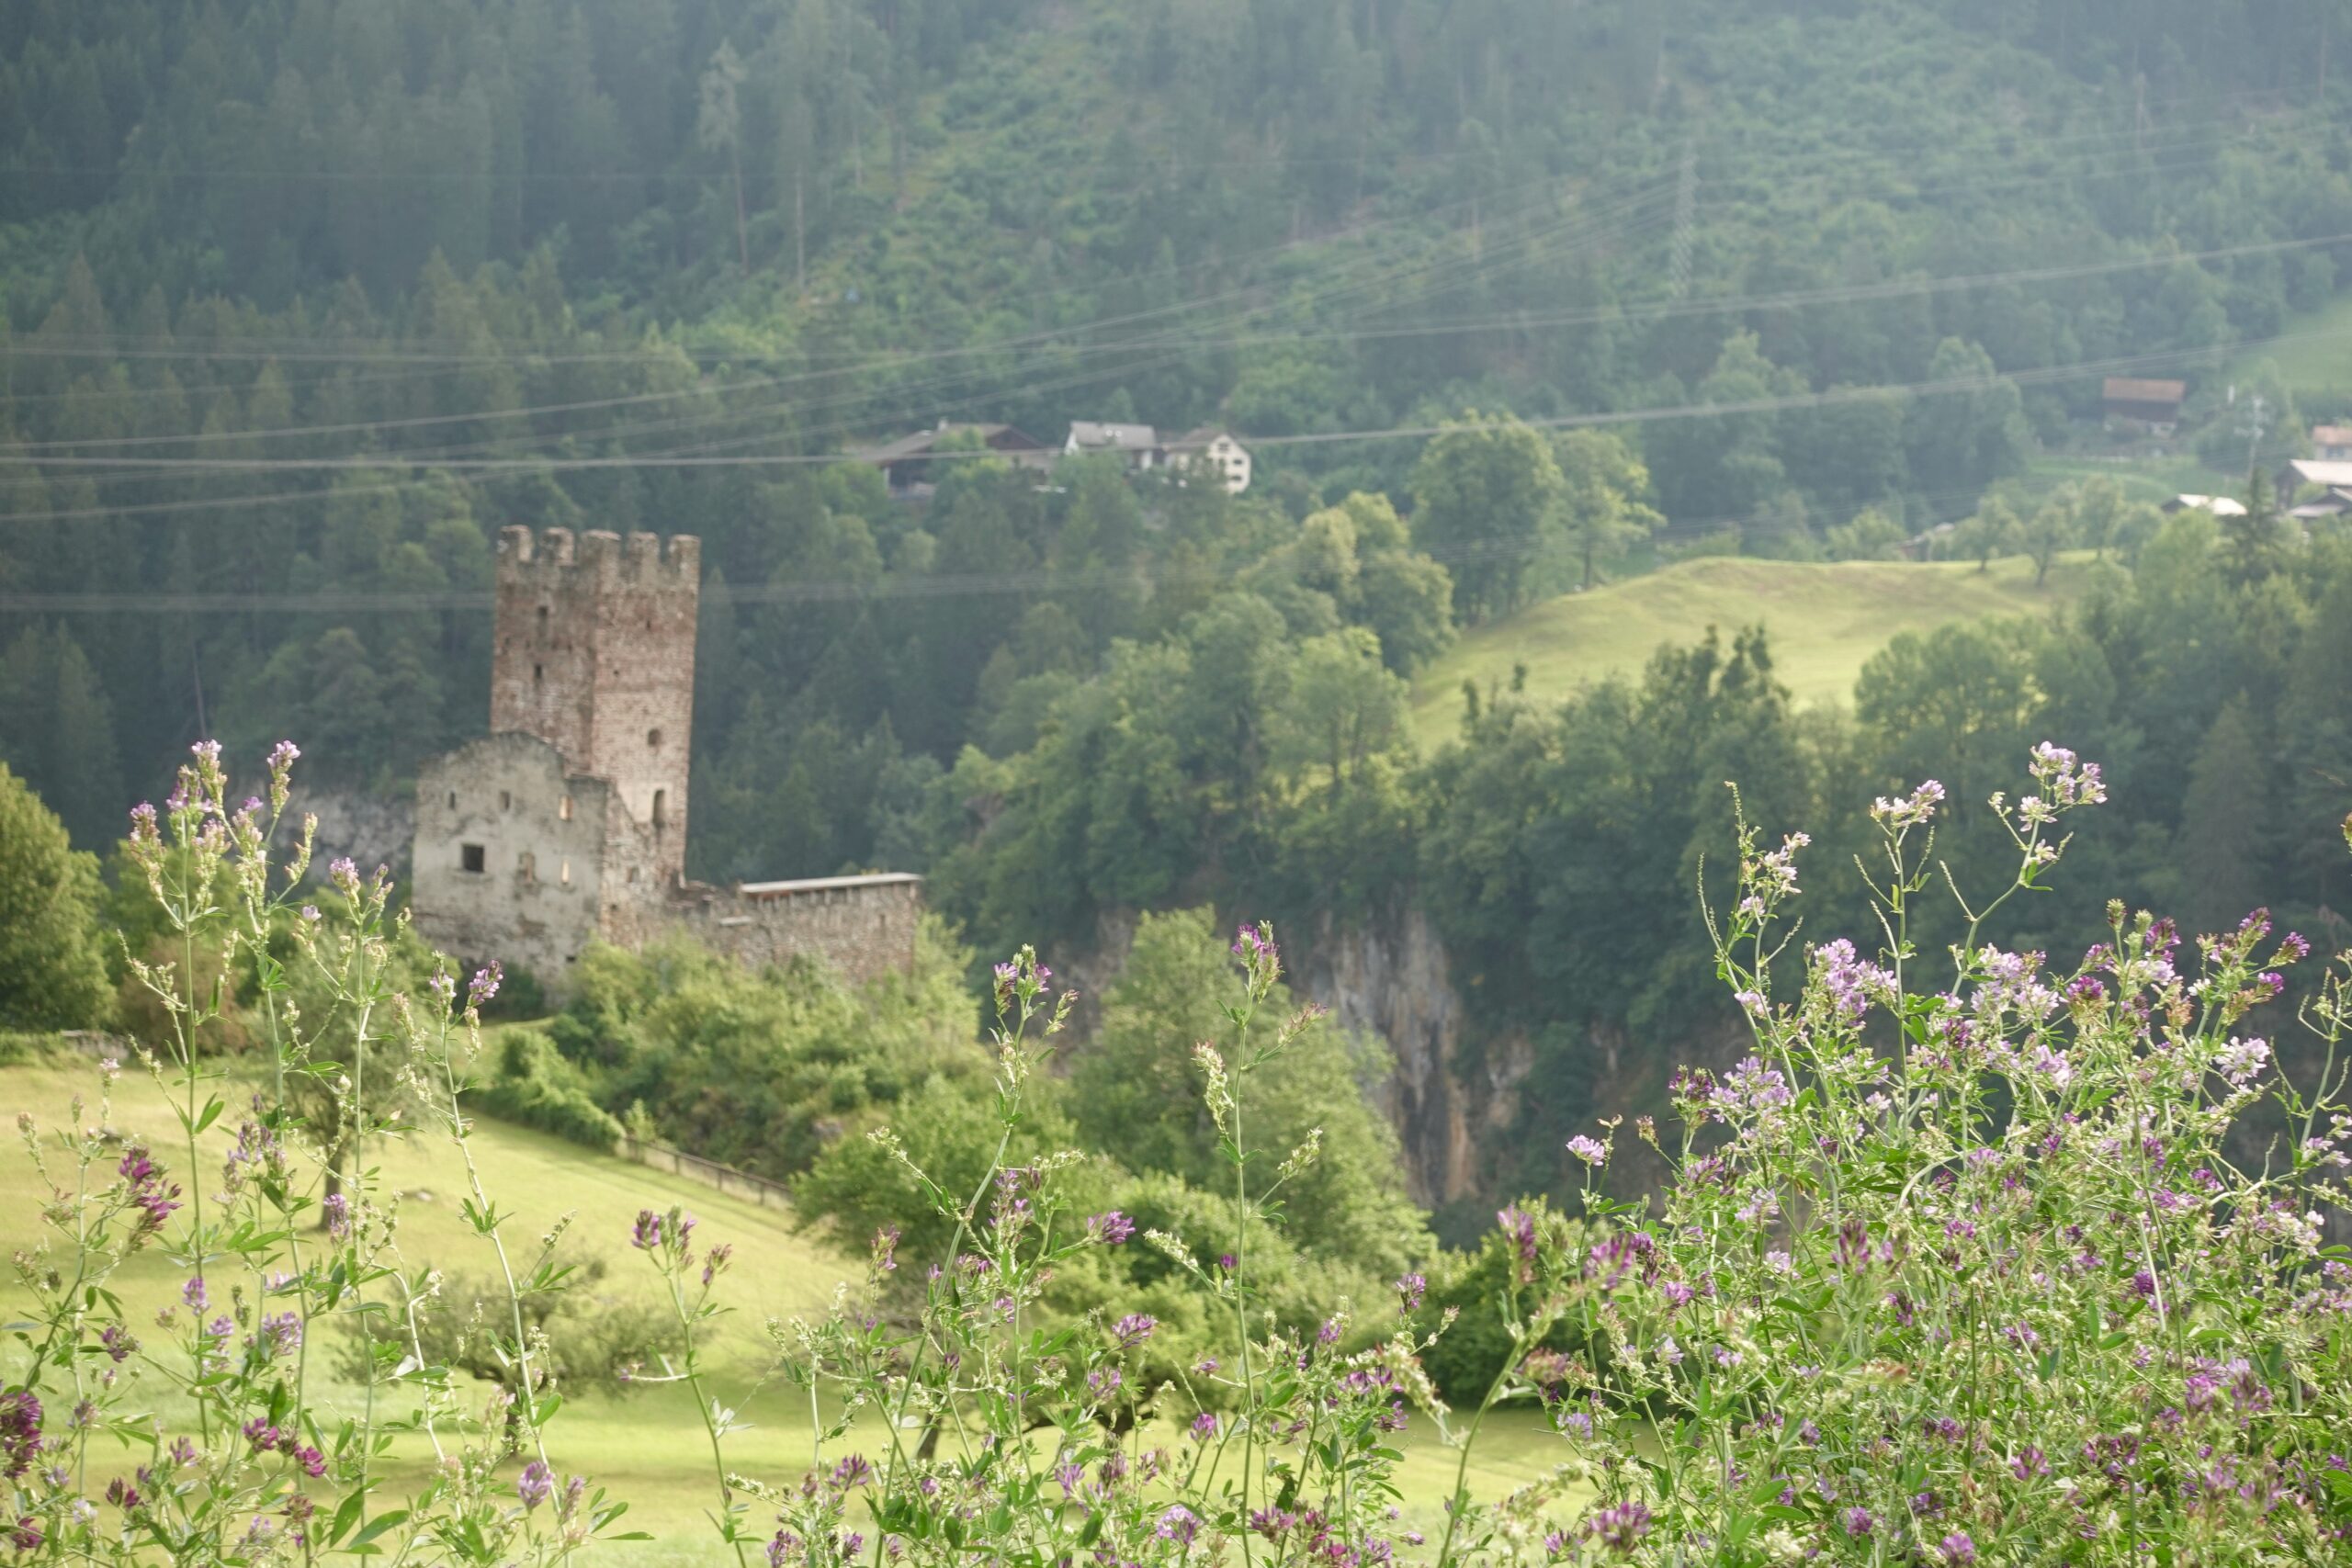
1410 1288
1178 1524
1621 1529
1911 810
19 1432
1111 1228
1133 1329
535 1484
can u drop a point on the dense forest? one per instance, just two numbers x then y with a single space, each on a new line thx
301 299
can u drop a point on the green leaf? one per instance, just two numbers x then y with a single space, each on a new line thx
346 1516
376 1527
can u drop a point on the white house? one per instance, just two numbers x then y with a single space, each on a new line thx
1214 452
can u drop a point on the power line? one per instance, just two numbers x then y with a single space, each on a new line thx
1832 397
804 590
38 452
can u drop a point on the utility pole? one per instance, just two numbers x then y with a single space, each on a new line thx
1686 211
2257 409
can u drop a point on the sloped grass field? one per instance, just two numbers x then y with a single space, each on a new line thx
645 1445
1825 620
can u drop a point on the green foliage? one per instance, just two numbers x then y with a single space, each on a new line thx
52 957
1482 495
1467 1310
595 1333
530 1082
1132 1090
1870 536
57 731
761 1072
1604 488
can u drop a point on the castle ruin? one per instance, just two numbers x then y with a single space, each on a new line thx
567 823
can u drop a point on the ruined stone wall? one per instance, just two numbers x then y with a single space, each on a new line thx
542 838
863 927
594 651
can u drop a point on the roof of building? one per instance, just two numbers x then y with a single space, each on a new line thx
1112 437
2219 505
2131 390
825 884
1198 440
995 438
2310 471
2332 435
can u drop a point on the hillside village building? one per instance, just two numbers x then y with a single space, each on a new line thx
567 824
911 463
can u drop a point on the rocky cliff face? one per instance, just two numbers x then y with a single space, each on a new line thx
1389 977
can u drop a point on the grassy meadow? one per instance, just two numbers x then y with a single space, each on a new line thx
1825 619
646 1445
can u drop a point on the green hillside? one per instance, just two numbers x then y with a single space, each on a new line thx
1825 619
645 1446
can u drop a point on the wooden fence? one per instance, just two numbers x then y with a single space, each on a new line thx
726 1178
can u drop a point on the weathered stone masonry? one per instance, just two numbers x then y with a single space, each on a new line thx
567 823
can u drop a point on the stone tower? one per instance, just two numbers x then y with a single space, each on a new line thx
595 655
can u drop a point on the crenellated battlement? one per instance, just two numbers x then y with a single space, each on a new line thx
552 557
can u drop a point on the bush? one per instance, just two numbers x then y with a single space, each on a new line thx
594 1335
52 958
533 1085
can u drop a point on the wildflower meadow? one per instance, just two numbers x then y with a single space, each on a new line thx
1974 1256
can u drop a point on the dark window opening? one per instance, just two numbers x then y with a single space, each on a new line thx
470 858
543 624
653 737
453 800
505 800
538 674
661 800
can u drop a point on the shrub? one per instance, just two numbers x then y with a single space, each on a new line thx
53 959
534 1085
593 1334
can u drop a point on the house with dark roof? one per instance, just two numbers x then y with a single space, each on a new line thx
2149 406
911 463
